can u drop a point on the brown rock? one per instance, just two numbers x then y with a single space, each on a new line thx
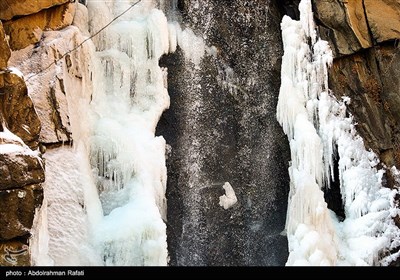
18 110
15 253
383 18
54 92
357 22
371 79
29 29
388 60
5 52
344 25
357 77
350 26
12 8
17 170
17 210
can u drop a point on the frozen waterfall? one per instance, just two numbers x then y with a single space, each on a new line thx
127 160
105 194
316 124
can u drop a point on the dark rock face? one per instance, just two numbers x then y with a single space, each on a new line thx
290 8
370 79
17 210
222 128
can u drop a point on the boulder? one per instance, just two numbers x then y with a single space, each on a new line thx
18 169
29 29
350 26
17 210
14 8
343 24
18 110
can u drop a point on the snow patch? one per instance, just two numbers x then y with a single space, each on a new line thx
229 198
16 71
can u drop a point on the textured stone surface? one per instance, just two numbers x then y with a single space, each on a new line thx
29 29
4 53
354 25
383 18
370 78
14 253
366 32
17 210
343 24
17 170
388 60
13 8
56 82
222 128
18 110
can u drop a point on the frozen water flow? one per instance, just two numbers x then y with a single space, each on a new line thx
316 123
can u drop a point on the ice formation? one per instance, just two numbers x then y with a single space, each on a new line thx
316 123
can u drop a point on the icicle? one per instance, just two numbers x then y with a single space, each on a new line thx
315 124
127 159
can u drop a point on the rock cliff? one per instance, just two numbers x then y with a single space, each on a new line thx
22 171
222 128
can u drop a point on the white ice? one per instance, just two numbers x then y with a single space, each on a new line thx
106 193
316 124
127 159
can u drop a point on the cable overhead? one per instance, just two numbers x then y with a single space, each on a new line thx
84 41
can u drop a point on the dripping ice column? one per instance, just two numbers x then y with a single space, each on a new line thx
309 228
316 123
128 161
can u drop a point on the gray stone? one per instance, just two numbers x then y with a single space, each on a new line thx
222 128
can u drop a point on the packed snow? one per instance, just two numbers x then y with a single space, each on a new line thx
12 144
